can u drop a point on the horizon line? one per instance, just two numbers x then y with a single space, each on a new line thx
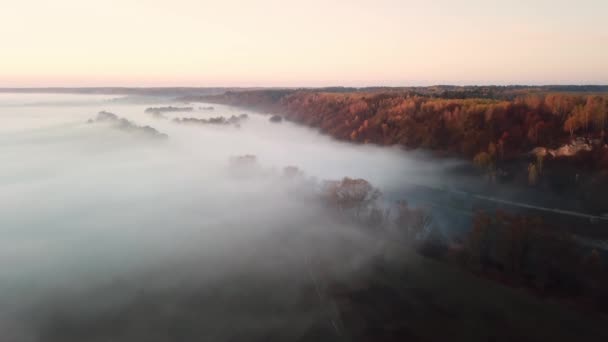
310 87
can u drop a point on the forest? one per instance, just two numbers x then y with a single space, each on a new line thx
553 139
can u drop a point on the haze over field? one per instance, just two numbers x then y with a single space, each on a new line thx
86 205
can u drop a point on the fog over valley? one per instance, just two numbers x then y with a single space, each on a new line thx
146 217
91 207
233 171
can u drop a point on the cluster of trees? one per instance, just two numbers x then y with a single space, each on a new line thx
169 109
517 250
354 196
588 117
127 126
359 200
524 251
220 120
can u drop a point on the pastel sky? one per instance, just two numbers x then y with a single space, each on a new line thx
302 43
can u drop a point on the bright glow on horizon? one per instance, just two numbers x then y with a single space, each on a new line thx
302 43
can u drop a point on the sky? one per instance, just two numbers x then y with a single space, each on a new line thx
302 43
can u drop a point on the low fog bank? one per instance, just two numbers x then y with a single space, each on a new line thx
108 235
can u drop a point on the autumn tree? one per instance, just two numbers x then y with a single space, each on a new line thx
350 193
483 160
574 122
596 109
